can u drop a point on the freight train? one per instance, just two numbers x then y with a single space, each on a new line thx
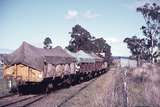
30 66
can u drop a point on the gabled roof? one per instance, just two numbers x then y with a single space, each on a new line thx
59 56
35 57
28 55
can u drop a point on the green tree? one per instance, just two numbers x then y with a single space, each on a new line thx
81 39
137 47
47 43
151 31
100 46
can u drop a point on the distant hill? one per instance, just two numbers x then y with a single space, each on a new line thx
5 51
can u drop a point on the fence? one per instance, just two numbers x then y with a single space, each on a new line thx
3 83
125 62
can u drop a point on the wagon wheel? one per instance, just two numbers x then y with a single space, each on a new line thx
48 88
67 82
75 79
21 90
95 74
89 76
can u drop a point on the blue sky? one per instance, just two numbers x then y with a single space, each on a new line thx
33 20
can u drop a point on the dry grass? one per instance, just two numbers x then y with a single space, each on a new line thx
144 86
116 94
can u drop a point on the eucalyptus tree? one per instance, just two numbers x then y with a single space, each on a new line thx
47 43
137 48
81 39
151 29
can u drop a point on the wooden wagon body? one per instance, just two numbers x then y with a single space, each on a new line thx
34 65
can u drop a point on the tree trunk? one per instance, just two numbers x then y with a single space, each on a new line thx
138 61
152 50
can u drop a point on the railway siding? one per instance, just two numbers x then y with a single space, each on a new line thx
56 99
91 93
94 95
15 99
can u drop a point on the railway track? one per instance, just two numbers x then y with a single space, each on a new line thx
74 94
28 100
20 101
60 97
25 101
8 95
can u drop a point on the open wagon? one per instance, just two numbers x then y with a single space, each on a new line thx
30 66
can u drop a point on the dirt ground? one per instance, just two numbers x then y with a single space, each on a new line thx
103 91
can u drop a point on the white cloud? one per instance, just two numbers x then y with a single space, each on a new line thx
71 14
112 40
74 14
90 14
